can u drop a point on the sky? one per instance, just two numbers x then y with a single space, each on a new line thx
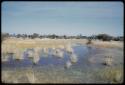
69 18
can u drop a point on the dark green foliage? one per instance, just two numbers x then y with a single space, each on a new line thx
120 38
104 37
4 36
89 41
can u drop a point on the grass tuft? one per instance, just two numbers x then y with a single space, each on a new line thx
113 75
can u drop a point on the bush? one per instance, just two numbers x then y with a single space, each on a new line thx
113 75
89 41
104 37
4 36
118 39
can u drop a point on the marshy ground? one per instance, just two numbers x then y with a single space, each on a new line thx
61 61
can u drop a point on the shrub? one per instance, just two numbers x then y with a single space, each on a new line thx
89 41
104 37
73 58
108 60
4 36
68 64
113 75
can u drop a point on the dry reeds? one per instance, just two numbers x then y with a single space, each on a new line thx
89 42
45 50
68 64
31 77
108 60
36 57
4 56
73 58
18 55
58 53
57 43
113 75
69 48
30 54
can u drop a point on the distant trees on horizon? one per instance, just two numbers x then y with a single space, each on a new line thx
103 37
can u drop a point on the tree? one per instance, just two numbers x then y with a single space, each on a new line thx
18 35
119 38
104 37
64 36
4 36
34 35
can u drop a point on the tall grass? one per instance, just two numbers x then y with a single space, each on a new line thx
108 60
45 52
18 55
68 64
58 53
30 54
73 58
31 77
4 57
36 57
113 75
68 48
89 42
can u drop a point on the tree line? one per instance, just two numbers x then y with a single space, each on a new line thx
103 37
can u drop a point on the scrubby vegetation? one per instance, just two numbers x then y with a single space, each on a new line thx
4 36
113 75
72 68
89 42
103 37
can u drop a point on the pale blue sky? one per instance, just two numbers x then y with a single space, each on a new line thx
70 18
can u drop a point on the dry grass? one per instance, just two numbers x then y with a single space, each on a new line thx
17 46
8 78
4 57
18 55
73 58
68 48
97 58
30 54
10 44
68 64
45 50
108 60
108 44
36 57
113 75
31 77
58 53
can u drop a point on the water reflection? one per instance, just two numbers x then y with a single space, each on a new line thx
47 57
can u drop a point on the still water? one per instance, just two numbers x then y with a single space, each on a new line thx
81 51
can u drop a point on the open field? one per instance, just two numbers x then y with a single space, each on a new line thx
66 61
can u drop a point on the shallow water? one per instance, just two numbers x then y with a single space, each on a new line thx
51 67
82 52
48 59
